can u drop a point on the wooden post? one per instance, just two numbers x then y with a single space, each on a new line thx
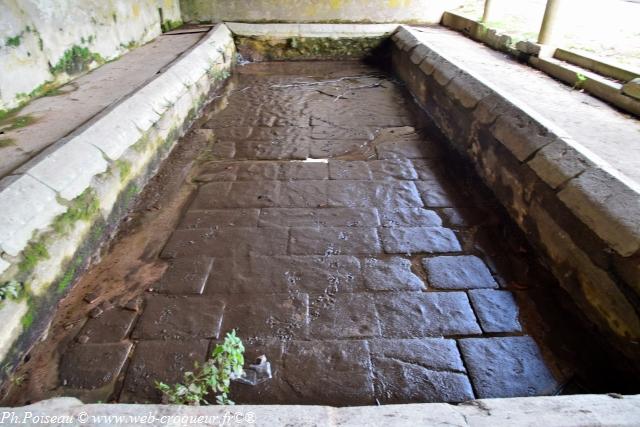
551 28
489 10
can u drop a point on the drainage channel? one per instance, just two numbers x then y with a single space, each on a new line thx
318 217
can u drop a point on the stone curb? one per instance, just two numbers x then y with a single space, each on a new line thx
311 30
576 410
100 164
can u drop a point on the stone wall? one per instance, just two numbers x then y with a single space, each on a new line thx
291 42
361 11
62 205
580 214
45 44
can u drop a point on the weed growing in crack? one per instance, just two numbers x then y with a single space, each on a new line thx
10 290
214 376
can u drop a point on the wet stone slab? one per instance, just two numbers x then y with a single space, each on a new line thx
394 169
304 171
334 241
93 366
185 276
417 314
215 218
497 310
419 370
349 170
168 317
225 242
441 194
329 372
390 274
165 361
401 143
281 316
381 194
507 367
458 272
282 274
409 217
346 316
111 326
410 240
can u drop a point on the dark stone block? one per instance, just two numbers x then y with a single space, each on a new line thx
112 326
214 218
409 240
281 316
417 314
177 317
227 242
282 274
497 310
346 316
409 217
458 272
390 274
507 367
329 372
349 170
185 276
164 361
334 241
93 366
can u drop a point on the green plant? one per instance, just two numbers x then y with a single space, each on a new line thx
75 60
580 80
11 289
14 41
213 376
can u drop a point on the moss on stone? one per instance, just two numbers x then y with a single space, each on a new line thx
82 208
129 194
28 318
168 25
67 278
76 60
265 49
7 142
32 255
16 122
124 168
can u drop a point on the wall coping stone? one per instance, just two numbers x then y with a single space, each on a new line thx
575 410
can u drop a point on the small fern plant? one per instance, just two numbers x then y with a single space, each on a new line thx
214 376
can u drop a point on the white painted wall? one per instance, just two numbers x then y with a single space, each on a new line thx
35 34
360 11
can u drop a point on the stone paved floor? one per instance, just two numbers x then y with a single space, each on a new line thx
327 232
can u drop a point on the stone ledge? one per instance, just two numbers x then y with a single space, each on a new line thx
576 410
525 133
59 207
577 209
